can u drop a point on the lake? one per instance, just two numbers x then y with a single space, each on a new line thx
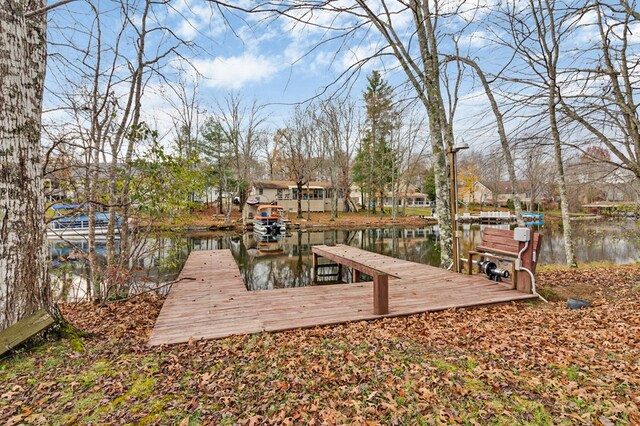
287 262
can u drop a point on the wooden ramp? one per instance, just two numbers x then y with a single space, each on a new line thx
212 301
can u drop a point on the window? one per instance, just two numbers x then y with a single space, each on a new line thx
311 194
260 191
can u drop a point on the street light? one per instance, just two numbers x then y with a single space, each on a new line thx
453 191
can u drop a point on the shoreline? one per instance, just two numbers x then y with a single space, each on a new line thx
352 221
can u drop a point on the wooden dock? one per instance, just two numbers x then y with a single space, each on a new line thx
212 302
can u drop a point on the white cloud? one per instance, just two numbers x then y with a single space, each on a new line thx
235 72
356 55
468 10
476 39
191 18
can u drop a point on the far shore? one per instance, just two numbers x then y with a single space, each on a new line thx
208 220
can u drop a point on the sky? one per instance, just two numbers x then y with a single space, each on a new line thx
276 62
271 61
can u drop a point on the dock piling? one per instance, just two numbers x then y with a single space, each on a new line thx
381 294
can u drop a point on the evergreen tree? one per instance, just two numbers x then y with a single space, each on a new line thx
216 149
373 164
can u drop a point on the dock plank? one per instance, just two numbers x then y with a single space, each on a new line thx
214 302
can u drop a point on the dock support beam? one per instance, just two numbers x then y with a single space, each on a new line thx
315 267
381 294
355 275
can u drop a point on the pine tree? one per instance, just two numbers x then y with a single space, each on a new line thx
373 164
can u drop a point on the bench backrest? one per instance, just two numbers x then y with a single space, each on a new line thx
501 240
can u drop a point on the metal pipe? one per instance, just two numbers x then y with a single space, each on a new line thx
519 267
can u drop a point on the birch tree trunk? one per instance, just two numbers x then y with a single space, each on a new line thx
24 280
551 51
562 183
504 141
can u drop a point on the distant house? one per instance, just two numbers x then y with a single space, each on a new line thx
504 192
481 193
317 195
592 182
408 196
210 196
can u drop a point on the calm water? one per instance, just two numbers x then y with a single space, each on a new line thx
287 262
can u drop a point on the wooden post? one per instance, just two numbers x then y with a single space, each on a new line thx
315 267
523 280
340 272
355 275
380 294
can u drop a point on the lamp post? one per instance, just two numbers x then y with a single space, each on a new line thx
453 191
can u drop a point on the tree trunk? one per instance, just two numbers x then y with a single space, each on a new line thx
299 186
562 184
308 202
24 280
504 141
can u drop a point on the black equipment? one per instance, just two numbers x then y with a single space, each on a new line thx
493 272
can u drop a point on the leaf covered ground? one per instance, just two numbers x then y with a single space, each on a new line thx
510 364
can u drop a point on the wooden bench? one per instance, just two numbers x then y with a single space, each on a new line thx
27 327
498 244
380 278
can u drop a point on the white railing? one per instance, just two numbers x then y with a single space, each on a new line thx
495 214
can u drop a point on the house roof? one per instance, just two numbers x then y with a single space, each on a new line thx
504 187
286 184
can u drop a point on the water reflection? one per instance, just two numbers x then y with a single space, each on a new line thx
285 262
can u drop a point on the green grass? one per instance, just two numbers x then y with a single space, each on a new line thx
418 211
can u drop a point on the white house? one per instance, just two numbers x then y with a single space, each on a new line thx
317 195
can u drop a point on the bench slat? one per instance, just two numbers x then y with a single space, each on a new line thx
25 328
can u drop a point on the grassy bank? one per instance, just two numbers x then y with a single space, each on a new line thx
208 219
512 364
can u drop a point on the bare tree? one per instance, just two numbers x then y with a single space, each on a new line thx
409 146
502 133
183 97
299 141
537 170
537 33
339 129
102 80
417 50
242 126
604 107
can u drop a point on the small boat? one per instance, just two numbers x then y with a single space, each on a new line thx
269 219
257 200
76 222
269 244
531 215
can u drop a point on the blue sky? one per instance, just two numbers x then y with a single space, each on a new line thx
269 60
274 61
